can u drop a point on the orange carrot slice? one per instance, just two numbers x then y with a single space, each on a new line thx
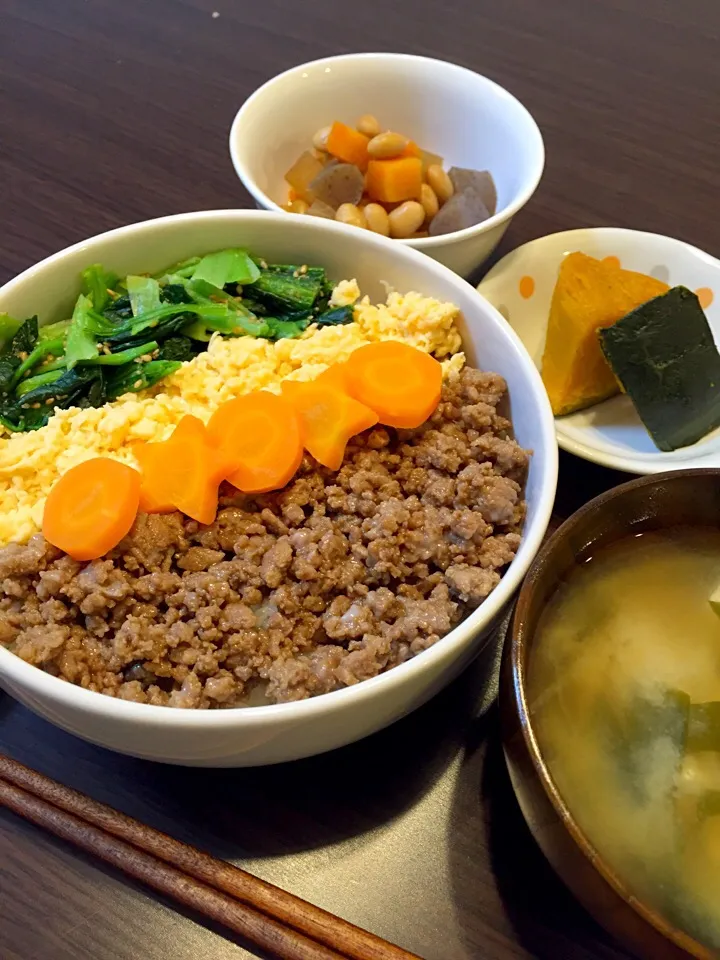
329 417
181 473
259 437
334 376
91 508
151 457
192 430
400 383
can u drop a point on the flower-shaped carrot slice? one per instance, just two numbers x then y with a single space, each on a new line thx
181 473
151 457
334 376
91 508
258 435
329 417
400 383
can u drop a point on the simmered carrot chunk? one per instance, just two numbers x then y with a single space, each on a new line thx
347 144
412 150
391 181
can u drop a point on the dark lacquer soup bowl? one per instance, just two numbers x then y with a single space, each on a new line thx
681 499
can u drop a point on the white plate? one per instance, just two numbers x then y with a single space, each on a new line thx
520 286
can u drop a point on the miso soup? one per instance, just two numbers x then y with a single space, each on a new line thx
624 692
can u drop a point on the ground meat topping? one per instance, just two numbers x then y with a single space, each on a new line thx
326 583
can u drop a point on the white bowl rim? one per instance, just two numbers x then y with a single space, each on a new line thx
421 243
36 680
638 464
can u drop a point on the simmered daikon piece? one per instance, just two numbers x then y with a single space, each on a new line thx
319 209
430 159
302 173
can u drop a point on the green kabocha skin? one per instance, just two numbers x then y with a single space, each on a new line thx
664 355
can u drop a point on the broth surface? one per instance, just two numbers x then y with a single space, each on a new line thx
624 691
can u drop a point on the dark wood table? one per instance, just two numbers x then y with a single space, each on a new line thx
113 112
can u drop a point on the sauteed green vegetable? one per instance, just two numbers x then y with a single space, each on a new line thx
128 334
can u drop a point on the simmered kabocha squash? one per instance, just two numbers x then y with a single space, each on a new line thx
589 295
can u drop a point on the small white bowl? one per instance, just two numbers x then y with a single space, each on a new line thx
520 286
466 118
268 734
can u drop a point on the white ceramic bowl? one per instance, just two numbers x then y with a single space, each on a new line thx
610 433
466 118
268 734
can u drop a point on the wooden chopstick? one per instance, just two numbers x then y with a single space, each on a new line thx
257 928
279 922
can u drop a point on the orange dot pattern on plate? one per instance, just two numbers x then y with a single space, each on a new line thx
612 261
705 296
526 287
